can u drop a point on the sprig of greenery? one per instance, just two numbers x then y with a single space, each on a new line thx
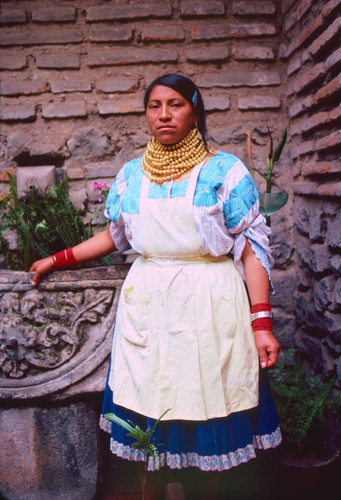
143 440
271 202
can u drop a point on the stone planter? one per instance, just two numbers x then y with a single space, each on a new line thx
54 349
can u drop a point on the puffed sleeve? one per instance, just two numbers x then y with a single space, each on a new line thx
242 216
113 212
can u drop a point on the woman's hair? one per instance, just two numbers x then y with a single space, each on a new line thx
189 91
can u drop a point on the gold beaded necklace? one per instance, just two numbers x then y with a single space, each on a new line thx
162 163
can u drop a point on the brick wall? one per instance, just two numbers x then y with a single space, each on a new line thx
74 73
313 34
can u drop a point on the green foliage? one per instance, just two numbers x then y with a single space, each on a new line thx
44 224
143 438
271 202
300 399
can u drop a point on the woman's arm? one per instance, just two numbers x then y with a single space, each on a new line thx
259 290
96 247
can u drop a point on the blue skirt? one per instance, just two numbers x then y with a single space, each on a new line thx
214 445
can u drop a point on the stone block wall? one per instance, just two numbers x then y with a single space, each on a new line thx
313 32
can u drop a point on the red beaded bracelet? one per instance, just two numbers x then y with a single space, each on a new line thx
261 317
64 258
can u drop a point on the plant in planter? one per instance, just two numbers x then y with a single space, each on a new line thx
142 443
271 202
43 223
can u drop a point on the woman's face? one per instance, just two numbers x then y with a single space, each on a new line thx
170 116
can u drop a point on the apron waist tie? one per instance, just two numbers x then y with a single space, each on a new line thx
183 259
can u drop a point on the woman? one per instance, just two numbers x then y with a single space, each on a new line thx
183 341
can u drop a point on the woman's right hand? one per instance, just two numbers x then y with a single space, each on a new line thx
41 267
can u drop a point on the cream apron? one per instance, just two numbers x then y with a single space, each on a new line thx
182 337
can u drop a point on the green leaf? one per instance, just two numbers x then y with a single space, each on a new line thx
119 421
280 146
272 202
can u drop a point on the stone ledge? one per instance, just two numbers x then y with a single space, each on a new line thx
64 327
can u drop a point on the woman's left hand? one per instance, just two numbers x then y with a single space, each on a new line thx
268 348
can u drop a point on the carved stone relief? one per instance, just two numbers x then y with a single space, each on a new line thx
54 337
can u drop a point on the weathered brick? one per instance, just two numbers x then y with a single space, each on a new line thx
24 88
121 106
290 20
97 170
303 7
307 34
305 188
12 61
252 52
128 11
58 61
330 8
12 16
41 37
17 112
225 31
245 79
329 141
330 189
60 86
314 121
217 103
286 5
334 59
201 8
335 113
309 77
331 33
162 33
254 8
75 172
295 109
299 107
295 63
130 56
258 102
70 109
321 168
117 85
329 90
110 34
283 51
213 54
54 14
304 148
4 174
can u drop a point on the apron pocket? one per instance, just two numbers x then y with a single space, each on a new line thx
136 313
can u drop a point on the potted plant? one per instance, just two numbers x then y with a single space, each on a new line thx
306 407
